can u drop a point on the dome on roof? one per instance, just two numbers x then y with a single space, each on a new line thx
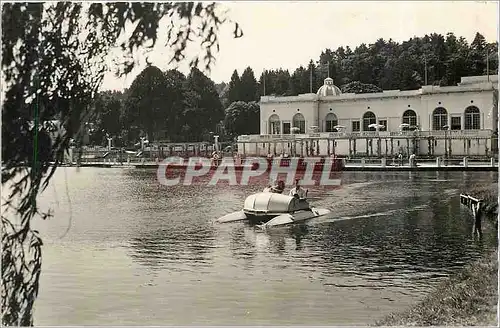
328 89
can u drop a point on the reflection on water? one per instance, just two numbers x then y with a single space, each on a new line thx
141 253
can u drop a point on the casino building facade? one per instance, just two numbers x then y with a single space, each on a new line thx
432 121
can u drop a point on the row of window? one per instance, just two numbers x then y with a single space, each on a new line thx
472 117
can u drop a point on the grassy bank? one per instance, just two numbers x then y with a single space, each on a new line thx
469 298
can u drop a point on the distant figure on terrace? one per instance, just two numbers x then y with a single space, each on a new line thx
298 191
413 160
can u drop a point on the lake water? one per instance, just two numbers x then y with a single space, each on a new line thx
124 250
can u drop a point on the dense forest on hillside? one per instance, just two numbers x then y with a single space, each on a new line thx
171 106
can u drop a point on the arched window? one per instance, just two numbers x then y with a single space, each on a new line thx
409 117
369 118
472 118
439 119
331 122
299 122
274 124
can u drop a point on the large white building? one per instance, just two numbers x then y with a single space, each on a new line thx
451 121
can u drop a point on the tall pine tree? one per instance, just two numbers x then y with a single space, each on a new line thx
248 84
234 93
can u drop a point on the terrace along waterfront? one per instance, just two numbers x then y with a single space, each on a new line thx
140 253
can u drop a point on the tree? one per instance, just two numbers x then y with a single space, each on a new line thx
146 101
248 86
221 90
299 81
224 95
433 59
281 81
220 87
53 64
456 59
315 81
174 103
234 93
105 117
265 83
203 108
242 118
358 87
478 54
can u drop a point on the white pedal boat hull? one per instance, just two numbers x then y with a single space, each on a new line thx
297 217
270 209
232 217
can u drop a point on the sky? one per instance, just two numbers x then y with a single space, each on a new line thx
286 35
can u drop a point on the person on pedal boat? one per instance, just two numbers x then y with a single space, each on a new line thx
298 191
278 189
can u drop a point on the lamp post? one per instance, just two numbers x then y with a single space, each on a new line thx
294 130
216 142
379 145
143 139
110 139
377 129
416 137
446 127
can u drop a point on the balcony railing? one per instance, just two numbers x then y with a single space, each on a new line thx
368 134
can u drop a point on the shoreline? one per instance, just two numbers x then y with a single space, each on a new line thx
468 298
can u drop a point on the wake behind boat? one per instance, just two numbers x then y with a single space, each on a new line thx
267 209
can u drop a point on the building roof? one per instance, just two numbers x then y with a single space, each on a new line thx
330 92
328 89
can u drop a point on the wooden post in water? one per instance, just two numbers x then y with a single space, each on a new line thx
477 210
476 205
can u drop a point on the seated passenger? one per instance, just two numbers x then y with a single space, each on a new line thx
298 191
278 189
